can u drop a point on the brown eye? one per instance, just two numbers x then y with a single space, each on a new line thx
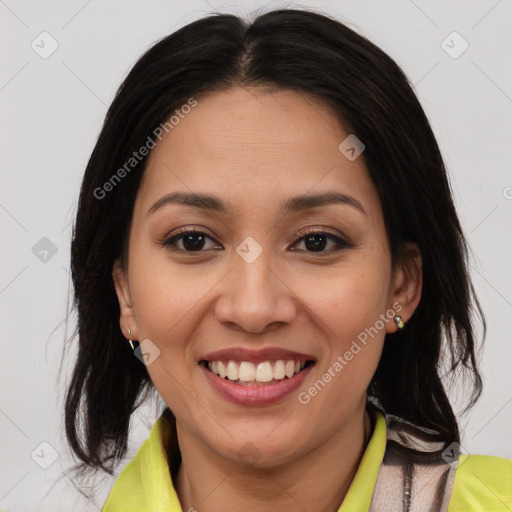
192 240
316 241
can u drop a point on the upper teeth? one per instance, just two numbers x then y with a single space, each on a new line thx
261 372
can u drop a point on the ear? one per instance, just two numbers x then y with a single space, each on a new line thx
127 314
406 284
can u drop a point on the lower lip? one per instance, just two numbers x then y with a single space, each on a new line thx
255 395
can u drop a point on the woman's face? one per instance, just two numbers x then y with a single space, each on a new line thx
252 281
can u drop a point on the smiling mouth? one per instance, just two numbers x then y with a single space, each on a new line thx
265 373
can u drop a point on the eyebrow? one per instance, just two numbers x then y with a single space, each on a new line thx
291 205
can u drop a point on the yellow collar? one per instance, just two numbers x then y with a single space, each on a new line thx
145 484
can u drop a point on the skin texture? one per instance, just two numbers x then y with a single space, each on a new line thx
254 149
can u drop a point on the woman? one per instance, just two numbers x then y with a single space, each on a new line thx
266 237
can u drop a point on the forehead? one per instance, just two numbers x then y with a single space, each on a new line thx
252 146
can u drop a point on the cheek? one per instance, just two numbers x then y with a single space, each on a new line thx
349 300
163 301
348 306
167 302
163 292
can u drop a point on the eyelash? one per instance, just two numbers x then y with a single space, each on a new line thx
171 242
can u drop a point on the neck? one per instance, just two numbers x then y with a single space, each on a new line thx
317 481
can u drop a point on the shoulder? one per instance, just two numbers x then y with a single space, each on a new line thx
482 483
145 483
128 486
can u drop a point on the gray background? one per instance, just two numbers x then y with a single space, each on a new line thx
52 110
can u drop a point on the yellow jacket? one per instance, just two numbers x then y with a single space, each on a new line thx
482 483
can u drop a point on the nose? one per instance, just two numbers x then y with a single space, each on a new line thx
256 296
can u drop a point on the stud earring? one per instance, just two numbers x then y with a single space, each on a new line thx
399 323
